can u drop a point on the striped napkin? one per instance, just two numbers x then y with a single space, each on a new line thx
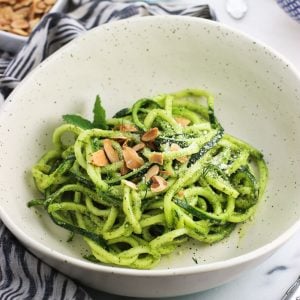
22 275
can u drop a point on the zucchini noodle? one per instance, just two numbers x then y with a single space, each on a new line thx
140 184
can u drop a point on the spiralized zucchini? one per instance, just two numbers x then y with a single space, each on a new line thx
147 180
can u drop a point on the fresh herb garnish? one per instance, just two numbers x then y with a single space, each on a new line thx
99 114
99 118
78 121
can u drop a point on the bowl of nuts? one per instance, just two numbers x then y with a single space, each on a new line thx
19 17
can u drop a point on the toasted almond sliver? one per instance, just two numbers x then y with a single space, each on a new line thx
110 152
156 158
132 159
154 170
158 184
128 128
150 135
174 148
124 170
19 31
21 4
165 173
33 23
182 121
130 184
180 193
4 22
9 2
138 147
24 11
99 159
49 2
19 24
41 5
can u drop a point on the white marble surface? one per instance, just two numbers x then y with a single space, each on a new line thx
266 22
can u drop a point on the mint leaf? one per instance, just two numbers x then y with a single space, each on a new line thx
99 115
78 121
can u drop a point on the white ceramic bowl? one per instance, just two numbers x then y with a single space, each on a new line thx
257 99
13 42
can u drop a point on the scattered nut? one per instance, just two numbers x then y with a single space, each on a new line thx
19 24
138 147
21 16
158 184
132 159
156 158
99 159
110 152
154 170
182 121
165 173
174 148
150 135
124 170
180 193
130 184
128 127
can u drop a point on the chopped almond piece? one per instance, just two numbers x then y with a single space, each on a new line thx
181 193
138 147
150 135
158 184
166 173
174 148
182 121
110 152
132 159
154 170
99 158
156 158
130 184
128 127
124 170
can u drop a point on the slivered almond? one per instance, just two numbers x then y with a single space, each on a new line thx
21 16
19 31
19 24
150 135
132 159
130 184
156 158
124 170
41 5
33 23
182 121
158 184
138 147
174 148
22 3
128 127
10 2
99 158
110 152
165 173
49 2
180 193
154 170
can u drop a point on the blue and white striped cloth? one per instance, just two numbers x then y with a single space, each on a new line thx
22 275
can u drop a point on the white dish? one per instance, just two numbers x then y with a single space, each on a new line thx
11 42
257 99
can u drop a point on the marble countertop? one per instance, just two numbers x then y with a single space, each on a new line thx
266 22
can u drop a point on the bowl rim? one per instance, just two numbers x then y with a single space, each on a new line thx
199 268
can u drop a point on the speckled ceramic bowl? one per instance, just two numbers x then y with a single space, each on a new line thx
257 99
